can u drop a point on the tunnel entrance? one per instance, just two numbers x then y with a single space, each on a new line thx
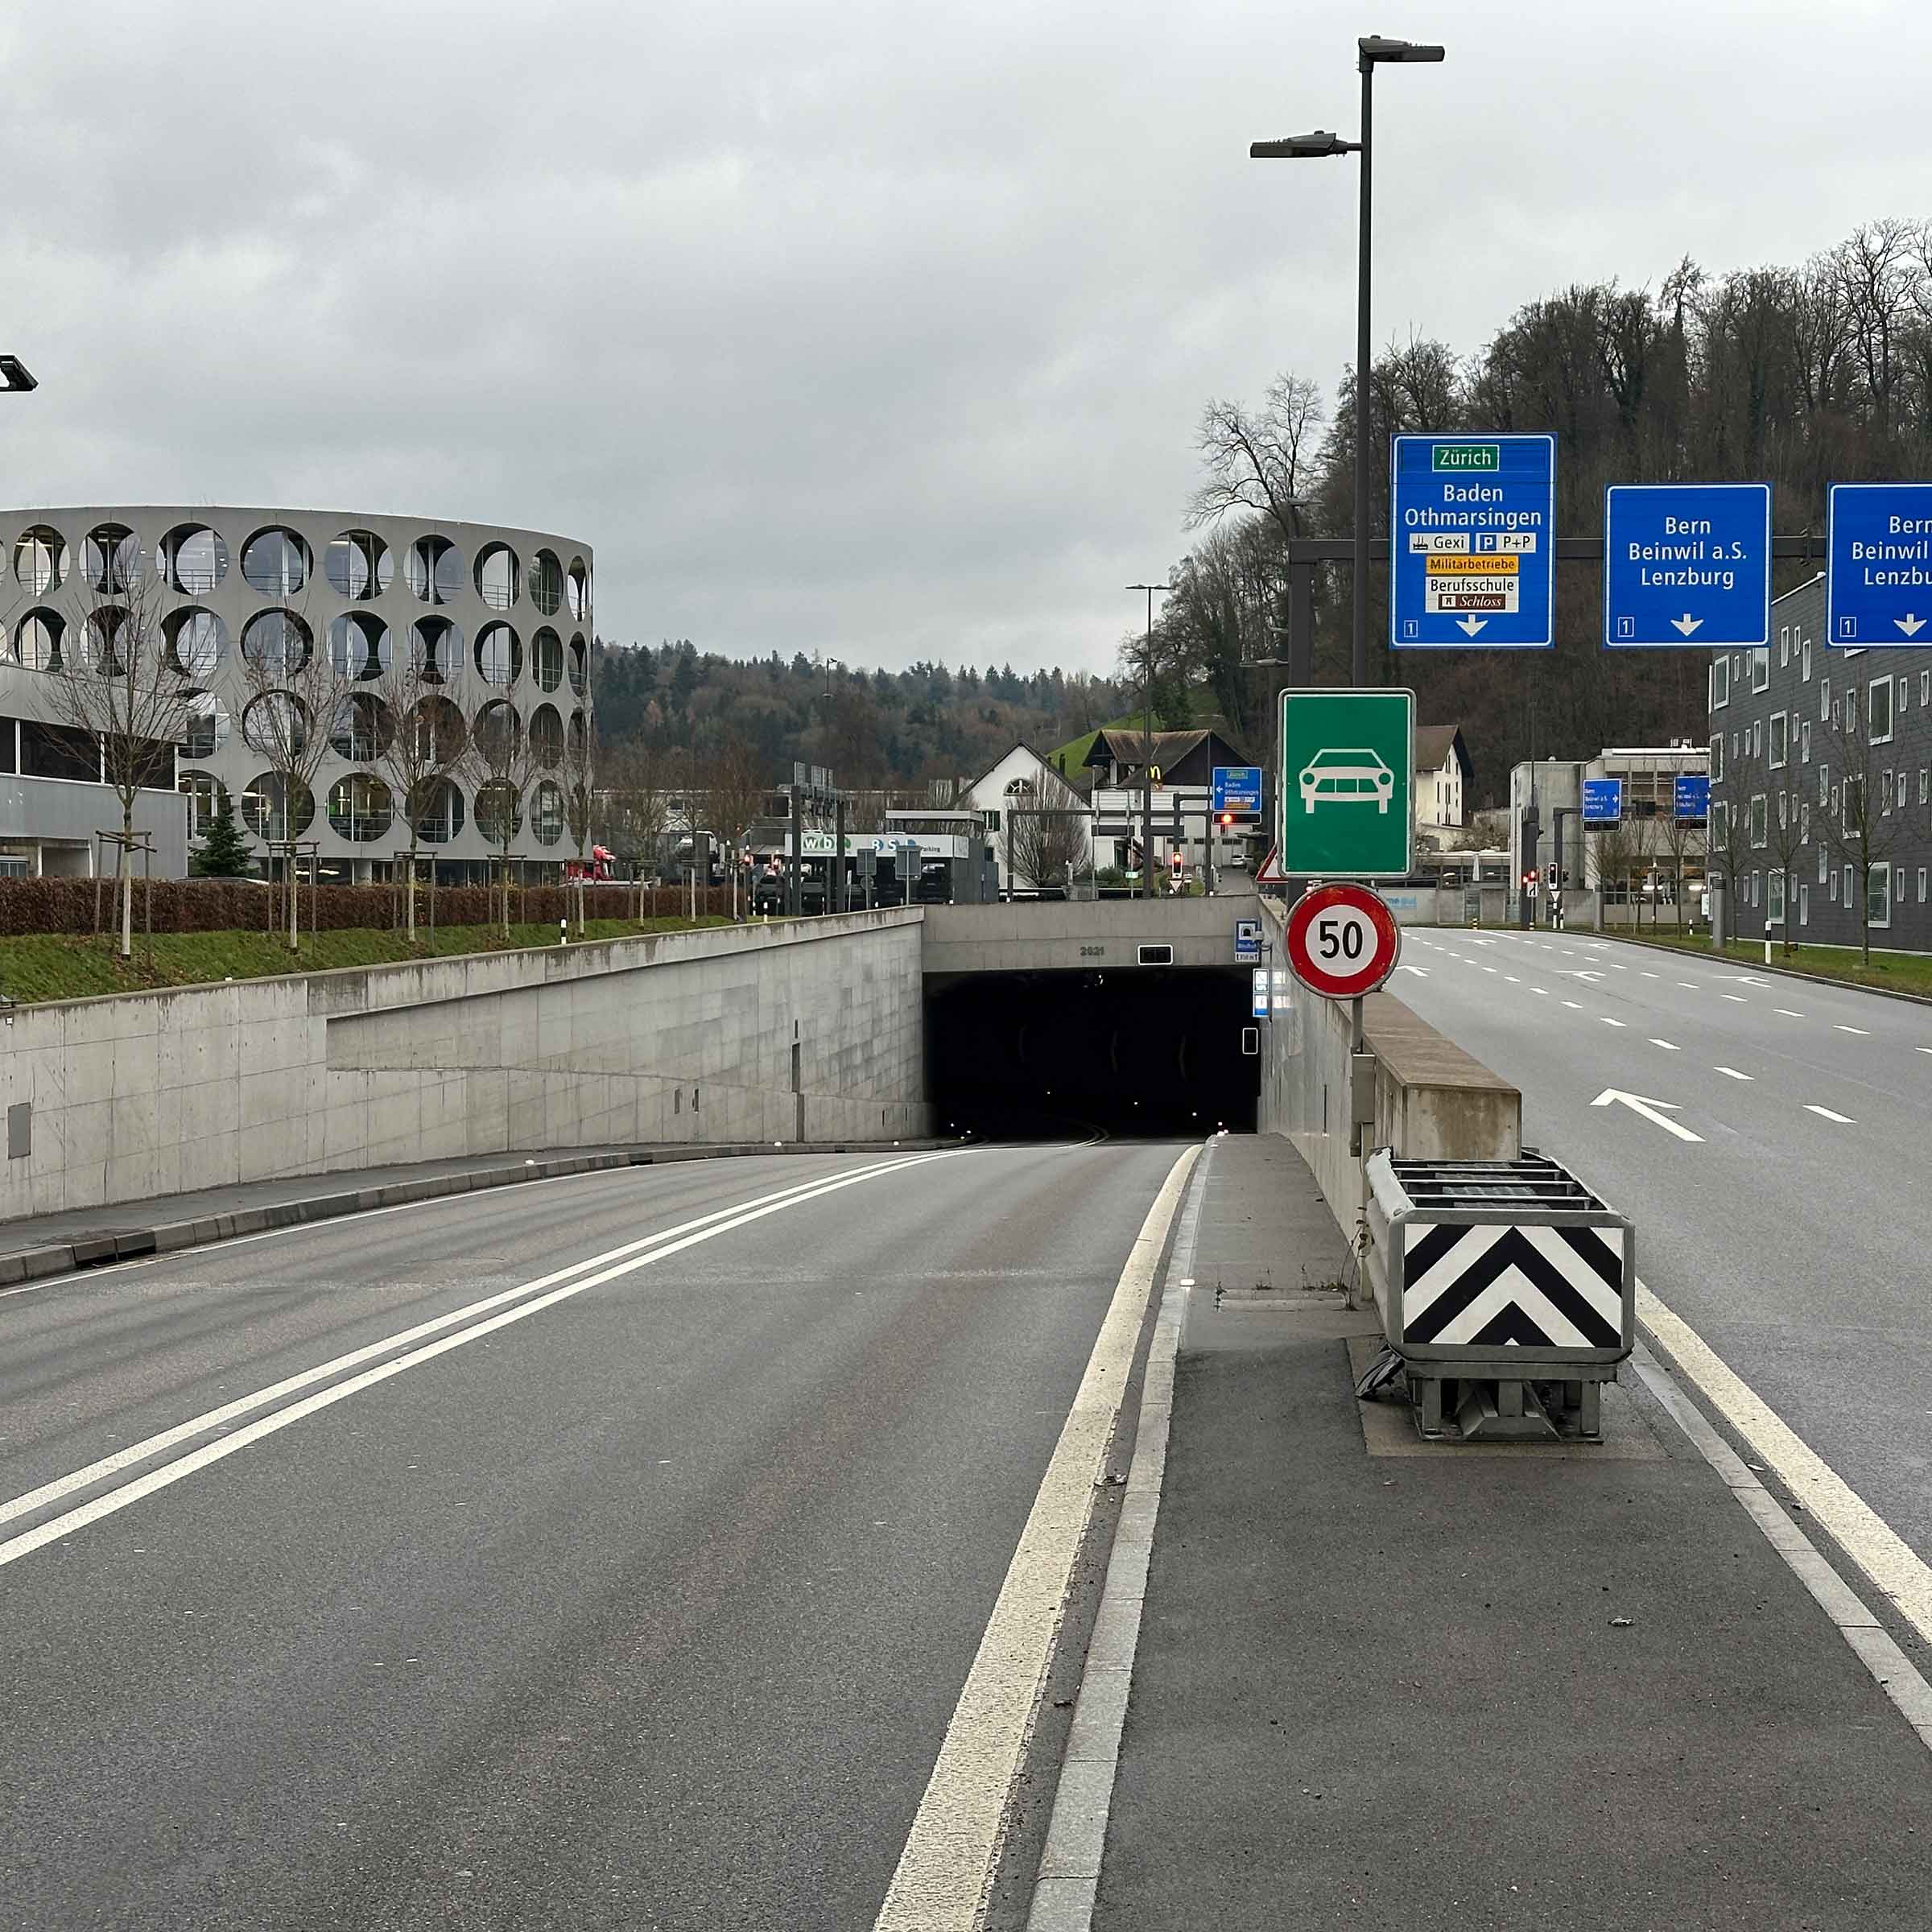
1151 1050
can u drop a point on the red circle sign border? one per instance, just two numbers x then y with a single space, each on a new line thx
1337 986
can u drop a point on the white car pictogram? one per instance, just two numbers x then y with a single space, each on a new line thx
1346 778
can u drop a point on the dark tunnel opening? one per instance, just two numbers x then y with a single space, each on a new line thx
1151 1051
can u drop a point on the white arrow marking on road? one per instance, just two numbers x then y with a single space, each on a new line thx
1582 972
1911 626
1685 624
1826 1113
1732 1073
1422 972
1747 979
1668 1046
1839 1027
1469 626
1649 1109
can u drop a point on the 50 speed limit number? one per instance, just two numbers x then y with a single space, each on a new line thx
1342 941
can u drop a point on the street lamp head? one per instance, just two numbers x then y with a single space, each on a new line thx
1374 48
15 375
1301 147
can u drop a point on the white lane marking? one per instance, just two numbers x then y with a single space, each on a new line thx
1646 976
1839 1027
1574 1005
1607 1021
1922 1050
1668 1046
1511 979
1489 969
1688 985
1422 972
1732 1073
633 1255
1844 1515
1077 1835
1618 966
1542 992
1825 1113
953 1845
1888 1665
1738 996
1649 1110
1789 1015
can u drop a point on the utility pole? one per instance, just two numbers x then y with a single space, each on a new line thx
1147 739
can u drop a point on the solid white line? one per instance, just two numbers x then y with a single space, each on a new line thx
1069 1873
1845 1516
1826 1113
1895 1673
1733 1073
954 1846
1668 1046
632 1256
1839 1027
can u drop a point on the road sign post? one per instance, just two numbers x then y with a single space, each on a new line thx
1474 546
1686 563
1878 567
1346 784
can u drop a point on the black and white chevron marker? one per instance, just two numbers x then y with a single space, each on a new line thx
1490 1286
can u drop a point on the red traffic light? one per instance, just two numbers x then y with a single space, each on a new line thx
1227 820
1174 859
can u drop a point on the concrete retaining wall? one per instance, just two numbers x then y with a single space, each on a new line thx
692 1036
1433 1101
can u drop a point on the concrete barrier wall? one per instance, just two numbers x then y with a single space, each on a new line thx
692 1036
1433 1101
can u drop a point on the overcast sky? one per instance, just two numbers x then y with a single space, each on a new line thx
880 330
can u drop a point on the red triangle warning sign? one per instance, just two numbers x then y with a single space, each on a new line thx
1271 873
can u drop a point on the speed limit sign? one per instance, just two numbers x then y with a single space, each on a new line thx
1342 941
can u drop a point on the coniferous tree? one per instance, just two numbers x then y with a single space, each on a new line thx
223 852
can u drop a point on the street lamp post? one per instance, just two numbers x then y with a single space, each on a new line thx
1147 739
1372 50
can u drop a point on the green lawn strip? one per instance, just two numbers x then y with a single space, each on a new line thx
1890 971
57 966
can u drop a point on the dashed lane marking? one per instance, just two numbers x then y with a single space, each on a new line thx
1574 1007
1732 1073
1668 1046
1737 998
1825 1113
1839 1027
1789 1015
1607 1021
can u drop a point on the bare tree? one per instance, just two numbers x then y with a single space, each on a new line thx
113 677
297 697
1870 810
1679 840
1787 835
631 803
734 780
1044 844
420 749
1612 845
580 769
1257 460
505 766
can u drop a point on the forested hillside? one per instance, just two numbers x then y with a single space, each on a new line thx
877 728
1801 376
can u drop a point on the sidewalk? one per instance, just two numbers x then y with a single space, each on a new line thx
1378 1682
36 1245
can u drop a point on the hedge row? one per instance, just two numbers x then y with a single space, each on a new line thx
86 905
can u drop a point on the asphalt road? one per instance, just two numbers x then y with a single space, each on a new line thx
650 1609
1794 1231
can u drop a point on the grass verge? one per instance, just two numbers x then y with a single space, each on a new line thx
1890 971
57 966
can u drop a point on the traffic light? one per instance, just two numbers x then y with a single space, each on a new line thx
1174 859
1227 821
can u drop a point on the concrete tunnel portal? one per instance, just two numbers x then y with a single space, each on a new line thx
1130 1051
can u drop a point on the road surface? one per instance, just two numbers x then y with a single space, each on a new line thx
649 1607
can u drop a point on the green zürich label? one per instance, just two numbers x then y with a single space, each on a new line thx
1465 456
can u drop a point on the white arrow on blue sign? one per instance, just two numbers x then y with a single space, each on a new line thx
1473 548
1878 568
1686 563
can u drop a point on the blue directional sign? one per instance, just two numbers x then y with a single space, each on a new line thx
1693 798
1878 571
1237 788
1473 523
1686 563
1602 801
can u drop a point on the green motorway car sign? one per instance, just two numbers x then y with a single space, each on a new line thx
1346 784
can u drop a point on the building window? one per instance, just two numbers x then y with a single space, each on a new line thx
1924 687
1804 825
358 565
1878 711
1757 821
56 751
1774 898
1922 885
359 807
1761 669
499 575
275 562
1784 645
434 570
546 583
1924 773
1804 904
1757 738
1804 742
1717 759
1846 881
1824 866
1824 700
1780 739
40 560
205 793
1755 879
1720 683
1824 784
1878 894
1806 655
1851 710
1905 693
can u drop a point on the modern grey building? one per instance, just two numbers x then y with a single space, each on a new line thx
485 619
1791 726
